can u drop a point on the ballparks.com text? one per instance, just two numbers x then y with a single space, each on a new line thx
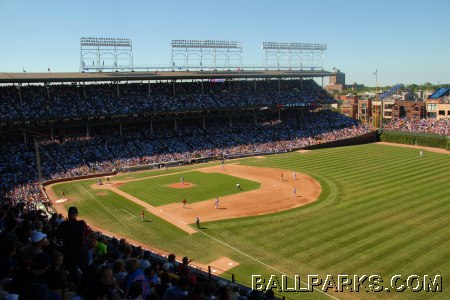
348 283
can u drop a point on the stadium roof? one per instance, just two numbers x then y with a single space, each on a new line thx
166 75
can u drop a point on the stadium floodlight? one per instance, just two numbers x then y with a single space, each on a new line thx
116 52
288 55
205 44
293 46
99 42
201 54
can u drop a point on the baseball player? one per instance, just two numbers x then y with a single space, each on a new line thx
216 204
294 191
294 175
181 180
142 215
184 203
282 177
197 221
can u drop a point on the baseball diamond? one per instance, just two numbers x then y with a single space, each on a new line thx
356 215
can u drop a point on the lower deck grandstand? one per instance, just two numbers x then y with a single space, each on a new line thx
71 153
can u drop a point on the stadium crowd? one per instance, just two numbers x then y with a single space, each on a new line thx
56 258
33 102
434 126
106 151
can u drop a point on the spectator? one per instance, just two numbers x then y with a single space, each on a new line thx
179 291
73 233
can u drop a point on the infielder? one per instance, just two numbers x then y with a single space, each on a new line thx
216 204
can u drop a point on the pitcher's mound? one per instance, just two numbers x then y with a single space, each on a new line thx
184 185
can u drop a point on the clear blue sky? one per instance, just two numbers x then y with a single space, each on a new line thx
407 41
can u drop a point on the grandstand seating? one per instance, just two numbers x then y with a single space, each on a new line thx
391 91
51 101
441 92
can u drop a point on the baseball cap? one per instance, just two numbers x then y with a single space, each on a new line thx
144 264
37 236
166 267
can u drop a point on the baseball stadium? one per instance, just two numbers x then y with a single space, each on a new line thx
231 181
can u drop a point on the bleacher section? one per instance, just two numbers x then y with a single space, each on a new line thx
391 91
441 92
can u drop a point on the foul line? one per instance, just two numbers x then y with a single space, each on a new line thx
126 211
80 185
261 262
247 255
216 239
90 194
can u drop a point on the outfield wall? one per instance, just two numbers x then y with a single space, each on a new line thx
367 138
416 139
370 137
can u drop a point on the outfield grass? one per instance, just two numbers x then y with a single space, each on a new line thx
383 210
156 190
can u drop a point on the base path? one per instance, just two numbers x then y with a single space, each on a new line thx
273 196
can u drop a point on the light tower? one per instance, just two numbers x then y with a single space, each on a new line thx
287 55
206 54
101 54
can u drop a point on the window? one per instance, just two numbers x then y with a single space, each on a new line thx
431 106
416 108
442 112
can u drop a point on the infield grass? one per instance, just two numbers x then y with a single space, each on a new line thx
156 190
383 210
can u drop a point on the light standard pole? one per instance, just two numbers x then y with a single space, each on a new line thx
375 117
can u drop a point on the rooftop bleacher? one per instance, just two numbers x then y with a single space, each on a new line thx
391 91
441 92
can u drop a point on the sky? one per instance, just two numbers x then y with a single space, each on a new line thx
406 41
